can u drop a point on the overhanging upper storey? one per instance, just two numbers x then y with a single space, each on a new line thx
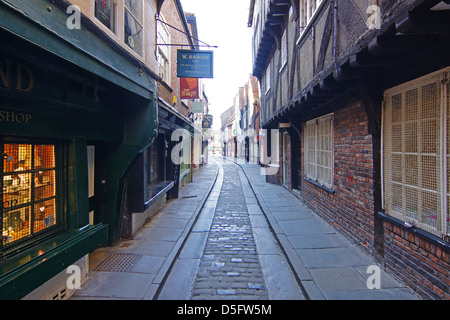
268 18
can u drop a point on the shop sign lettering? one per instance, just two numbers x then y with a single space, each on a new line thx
16 117
15 76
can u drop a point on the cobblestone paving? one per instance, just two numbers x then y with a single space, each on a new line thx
229 268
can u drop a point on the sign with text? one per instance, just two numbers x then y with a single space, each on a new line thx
189 88
207 121
194 64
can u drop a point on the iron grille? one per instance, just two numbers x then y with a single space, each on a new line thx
416 153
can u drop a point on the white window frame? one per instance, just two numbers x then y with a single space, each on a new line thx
314 149
113 16
140 22
268 74
118 34
305 16
284 50
400 148
163 52
311 6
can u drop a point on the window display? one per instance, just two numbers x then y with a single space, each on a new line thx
29 192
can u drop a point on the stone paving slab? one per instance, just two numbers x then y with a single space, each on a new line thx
158 243
329 265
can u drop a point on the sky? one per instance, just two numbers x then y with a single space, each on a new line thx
224 24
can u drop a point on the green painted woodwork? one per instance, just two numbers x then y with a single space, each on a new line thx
32 268
119 118
33 21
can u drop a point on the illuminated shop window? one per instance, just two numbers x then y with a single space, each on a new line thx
32 193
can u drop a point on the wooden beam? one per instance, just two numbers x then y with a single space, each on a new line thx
424 22
364 59
401 44
325 40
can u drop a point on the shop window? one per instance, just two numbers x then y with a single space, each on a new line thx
319 150
133 25
32 176
416 152
155 161
105 12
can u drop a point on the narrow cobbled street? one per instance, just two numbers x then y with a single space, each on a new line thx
231 248
232 236
230 264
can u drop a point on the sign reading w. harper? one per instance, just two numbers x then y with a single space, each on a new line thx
194 64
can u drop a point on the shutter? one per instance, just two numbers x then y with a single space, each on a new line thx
416 153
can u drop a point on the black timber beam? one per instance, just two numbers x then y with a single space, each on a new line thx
364 59
427 22
401 44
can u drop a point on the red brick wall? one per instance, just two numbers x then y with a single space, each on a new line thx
350 207
423 265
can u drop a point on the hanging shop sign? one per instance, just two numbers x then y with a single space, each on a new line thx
197 107
189 88
207 121
194 64
284 125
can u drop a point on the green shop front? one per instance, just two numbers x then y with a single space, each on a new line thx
75 111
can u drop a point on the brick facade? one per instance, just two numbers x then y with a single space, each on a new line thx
330 71
349 207
420 263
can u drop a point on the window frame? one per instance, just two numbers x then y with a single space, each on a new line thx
390 149
118 35
284 50
306 16
267 78
311 164
113 16
37 231
162 57
138 20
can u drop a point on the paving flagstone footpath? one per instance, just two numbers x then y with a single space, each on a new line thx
231 235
